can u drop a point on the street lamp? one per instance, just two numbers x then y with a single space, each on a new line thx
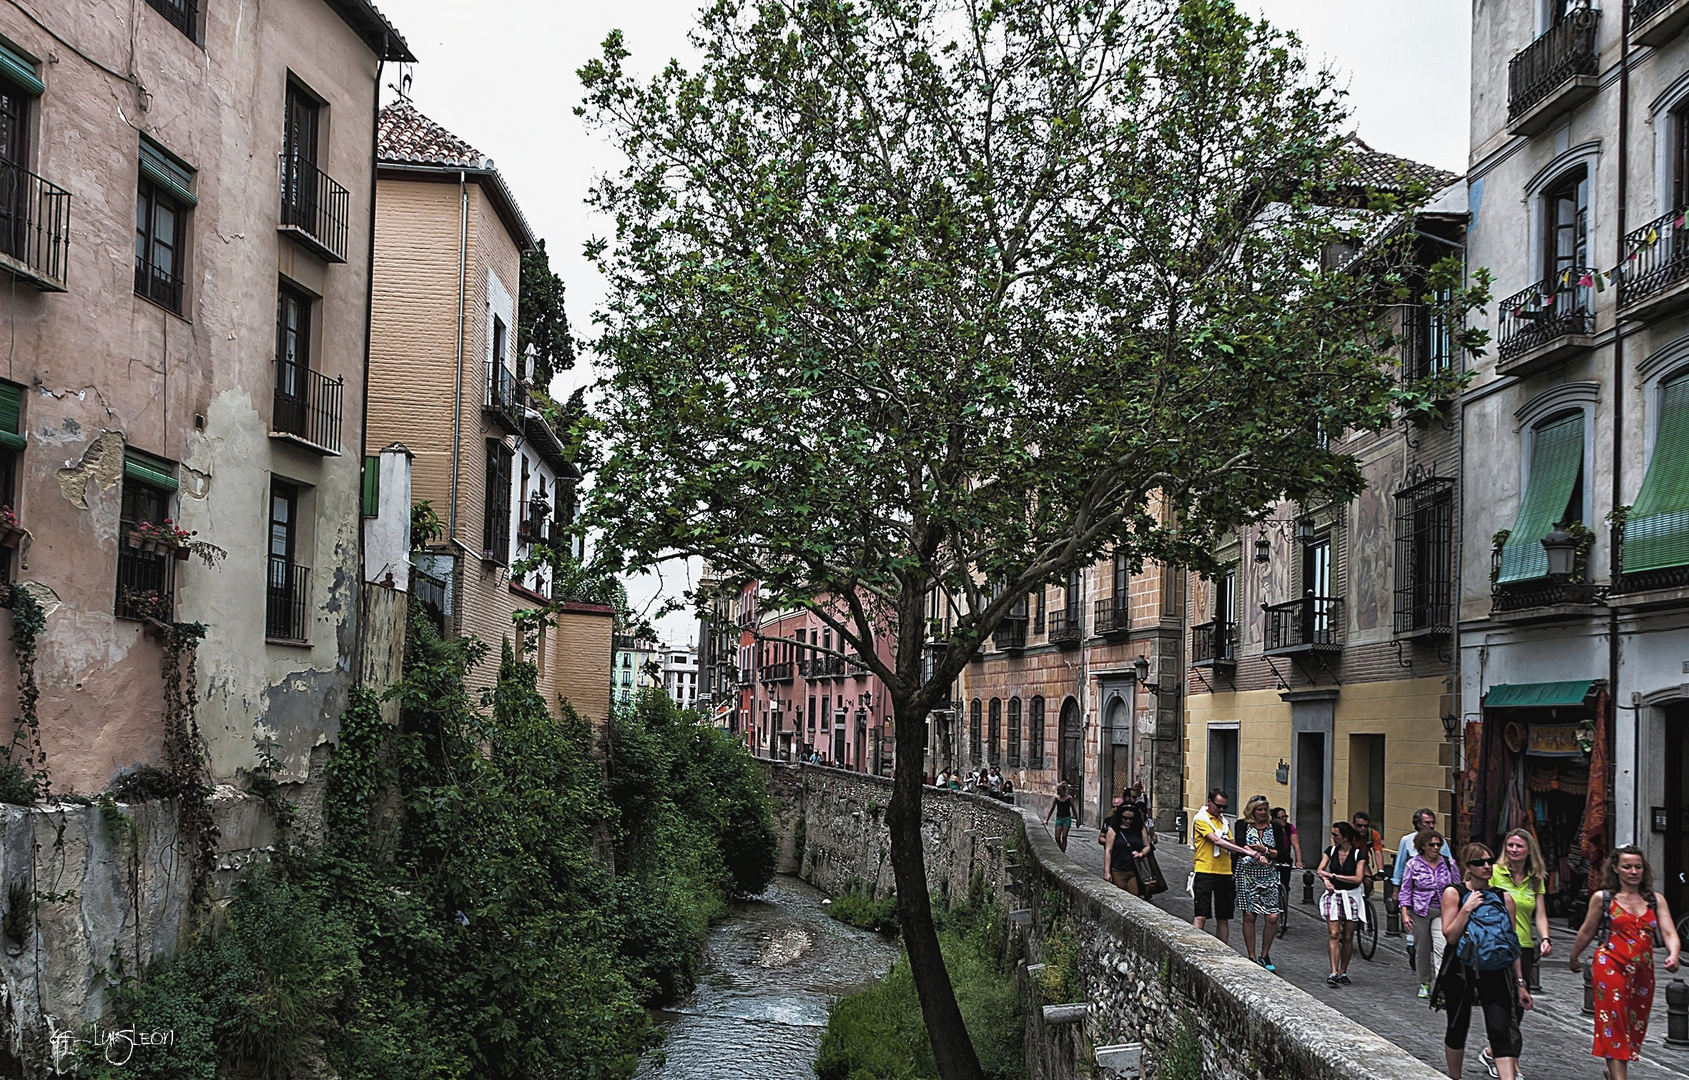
1263 547
1562 549
1140 667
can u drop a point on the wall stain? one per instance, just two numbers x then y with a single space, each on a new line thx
101 463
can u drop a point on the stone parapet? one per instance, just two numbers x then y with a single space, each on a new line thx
1141 973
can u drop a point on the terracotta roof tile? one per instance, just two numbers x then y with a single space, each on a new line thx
405 136
1388 172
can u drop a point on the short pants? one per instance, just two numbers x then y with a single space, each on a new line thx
1216 896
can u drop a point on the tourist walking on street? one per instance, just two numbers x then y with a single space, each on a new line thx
1523 875
1408 846
1627 921
1427 872
1370 840
1343 868
1288 860
1485 970
1213 888
1062 808
1124 847
1258 882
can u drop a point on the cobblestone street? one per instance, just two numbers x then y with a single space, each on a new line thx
1382 997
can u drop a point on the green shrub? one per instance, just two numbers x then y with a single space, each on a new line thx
878 1034
1183 1058
863 911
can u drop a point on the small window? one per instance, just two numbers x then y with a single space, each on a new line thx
182 14
1425 556
973 731
293 362
1035 734
161 206
995 740
145 556
1565 209
1014 731
300 121
1680 155
287 606
495 525
372 486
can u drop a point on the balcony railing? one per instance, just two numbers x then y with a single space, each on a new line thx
1427 346
287 601
745 678
1111 616
146 587
781 672
158 285
182 14
1311 624
1549 591
1656 22
1067 626
506 398
532 528
1214 644
1656 260
1547 311
313 207
307 407
1010 635
1562 54
34 228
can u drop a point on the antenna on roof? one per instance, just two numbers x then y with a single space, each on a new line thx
404 87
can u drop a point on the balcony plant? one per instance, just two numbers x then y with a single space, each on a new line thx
11 532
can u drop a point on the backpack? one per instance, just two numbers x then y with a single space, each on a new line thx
1490 942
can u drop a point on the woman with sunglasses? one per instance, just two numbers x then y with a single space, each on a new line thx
1473 976
1343 868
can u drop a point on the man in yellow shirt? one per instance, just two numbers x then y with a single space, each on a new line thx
1216 893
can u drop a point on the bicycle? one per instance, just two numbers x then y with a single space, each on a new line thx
1366 935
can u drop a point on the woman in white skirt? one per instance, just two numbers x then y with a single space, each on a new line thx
1343 869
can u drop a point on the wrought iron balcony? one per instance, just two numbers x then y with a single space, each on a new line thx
1553 73
1656 22
1010 635
1427 347
287 601
1546 323
1067 626
506 399
781 672
34 228
1311 624
158 285
1111 616
1214 644
1654 276
307 407
314 209
745 678
532 528
1543 596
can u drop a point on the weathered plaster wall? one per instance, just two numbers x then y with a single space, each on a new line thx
1141 972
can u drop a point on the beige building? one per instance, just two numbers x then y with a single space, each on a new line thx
188 250
446 380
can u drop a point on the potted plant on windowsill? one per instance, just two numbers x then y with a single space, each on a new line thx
11 532
147 536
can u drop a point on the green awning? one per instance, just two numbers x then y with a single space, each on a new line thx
11 416
1657 534
164 170
149 469
1538 694
1556 464
21 72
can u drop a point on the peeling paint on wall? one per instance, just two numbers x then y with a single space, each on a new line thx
43 595
101 463
195 484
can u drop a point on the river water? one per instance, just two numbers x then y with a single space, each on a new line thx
770 970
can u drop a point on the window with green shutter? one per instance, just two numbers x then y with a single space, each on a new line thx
372 486
1556 472
1656 535
149 468
11 416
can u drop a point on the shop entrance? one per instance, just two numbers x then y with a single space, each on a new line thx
1675 868
1310 793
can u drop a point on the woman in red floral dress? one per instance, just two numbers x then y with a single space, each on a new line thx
1631 920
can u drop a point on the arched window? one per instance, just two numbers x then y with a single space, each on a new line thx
994 744
1014 731
973 732
1035 735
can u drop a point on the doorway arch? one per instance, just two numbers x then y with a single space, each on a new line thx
1070 749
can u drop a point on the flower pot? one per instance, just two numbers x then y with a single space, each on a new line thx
182 554
134 539
11 535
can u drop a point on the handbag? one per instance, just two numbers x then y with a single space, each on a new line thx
1150 878
1190 884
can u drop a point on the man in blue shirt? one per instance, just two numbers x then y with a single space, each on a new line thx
1423 821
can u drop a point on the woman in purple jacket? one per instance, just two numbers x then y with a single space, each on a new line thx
1427 874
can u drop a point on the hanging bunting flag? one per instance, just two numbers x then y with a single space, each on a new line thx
1653 237
1587 280
1677 222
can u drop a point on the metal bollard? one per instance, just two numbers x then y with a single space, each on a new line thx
1392 919
1307 886
1589 989
1677 1013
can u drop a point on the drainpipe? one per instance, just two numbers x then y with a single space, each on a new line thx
369 331
457 398
1618 410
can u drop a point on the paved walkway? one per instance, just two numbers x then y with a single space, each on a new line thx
1382 997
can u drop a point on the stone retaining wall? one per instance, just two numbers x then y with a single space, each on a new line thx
1142 973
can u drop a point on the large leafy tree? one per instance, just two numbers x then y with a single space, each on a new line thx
917 296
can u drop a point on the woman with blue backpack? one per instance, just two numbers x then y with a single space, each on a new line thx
1481 965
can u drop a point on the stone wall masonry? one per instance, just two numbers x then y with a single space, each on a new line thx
1141 973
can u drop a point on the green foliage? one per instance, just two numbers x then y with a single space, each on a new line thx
1061 964
541 320
858 907
1182 1059
456 921
426 526
877 1034
24 778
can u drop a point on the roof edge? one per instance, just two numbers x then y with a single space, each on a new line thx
503 201
372 26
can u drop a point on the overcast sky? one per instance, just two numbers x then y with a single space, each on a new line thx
501 74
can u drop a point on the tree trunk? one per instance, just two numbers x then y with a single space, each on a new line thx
951 1048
